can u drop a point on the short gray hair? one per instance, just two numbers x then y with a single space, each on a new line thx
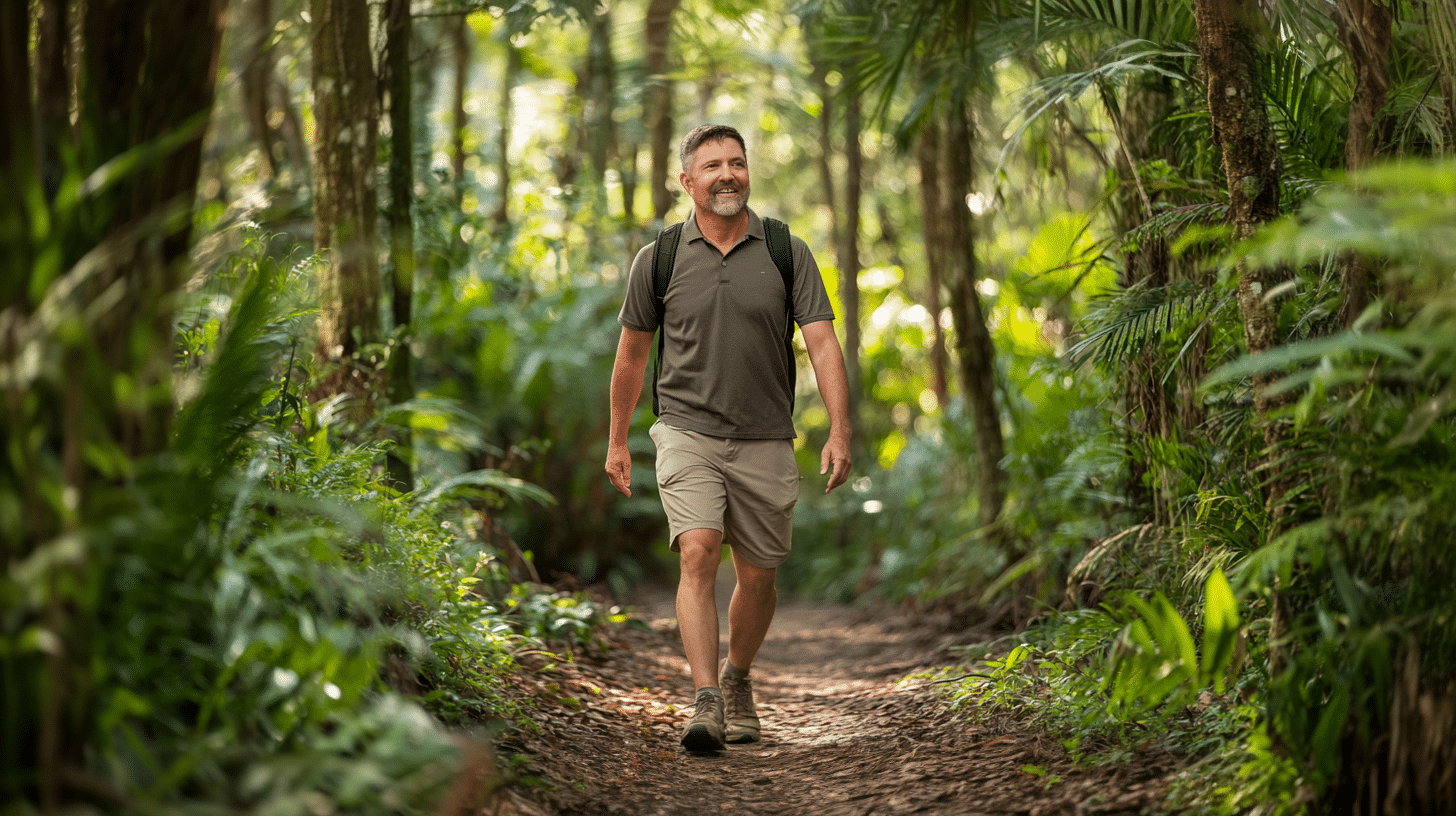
707 133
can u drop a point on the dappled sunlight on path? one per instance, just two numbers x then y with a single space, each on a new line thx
843 732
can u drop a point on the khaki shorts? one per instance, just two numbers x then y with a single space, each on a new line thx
745 488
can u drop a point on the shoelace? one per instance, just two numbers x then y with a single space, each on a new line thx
705 705
742 695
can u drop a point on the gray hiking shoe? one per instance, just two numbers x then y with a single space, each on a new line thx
739 714
704 732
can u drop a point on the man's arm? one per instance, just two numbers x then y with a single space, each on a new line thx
627 373
828 361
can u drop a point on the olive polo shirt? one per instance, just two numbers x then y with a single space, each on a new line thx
724 372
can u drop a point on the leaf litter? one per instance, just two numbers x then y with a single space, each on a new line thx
843 734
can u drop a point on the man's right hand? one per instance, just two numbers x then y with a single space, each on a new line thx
619 469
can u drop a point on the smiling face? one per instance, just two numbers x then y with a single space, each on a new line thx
717 178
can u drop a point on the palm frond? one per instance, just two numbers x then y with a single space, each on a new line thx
1135 318
1171 221
1309 119
1124 60
1155 20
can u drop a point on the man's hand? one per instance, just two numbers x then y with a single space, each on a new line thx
619 469
835 461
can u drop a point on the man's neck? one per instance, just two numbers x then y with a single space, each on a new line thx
722 232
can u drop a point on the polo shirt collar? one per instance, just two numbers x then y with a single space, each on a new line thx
692 233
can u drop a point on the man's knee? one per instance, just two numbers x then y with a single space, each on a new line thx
758 580
700 551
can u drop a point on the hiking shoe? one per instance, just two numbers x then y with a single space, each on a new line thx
739 715
704 731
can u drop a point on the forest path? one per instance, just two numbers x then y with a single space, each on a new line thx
843 731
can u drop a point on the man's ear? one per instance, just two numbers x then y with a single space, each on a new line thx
682 178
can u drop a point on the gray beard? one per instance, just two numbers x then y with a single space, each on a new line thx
725 208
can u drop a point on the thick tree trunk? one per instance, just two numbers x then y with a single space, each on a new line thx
927 162
398 36
658 102
1365 31
977 353
144 78
141 87
345 198
1251 164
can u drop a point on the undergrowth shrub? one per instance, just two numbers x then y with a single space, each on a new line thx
251 591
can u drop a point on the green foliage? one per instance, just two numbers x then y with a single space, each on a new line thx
1156 662
1065 675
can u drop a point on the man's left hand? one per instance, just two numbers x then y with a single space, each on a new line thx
835 461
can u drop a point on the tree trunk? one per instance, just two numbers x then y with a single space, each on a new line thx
927 162
597 90
973 340
459 119
1365 31
658 99
20 162
256 78
1251 164
826 150
1149 412
345 199
144 77
398 36
849 268
1441 21
502 215
53 89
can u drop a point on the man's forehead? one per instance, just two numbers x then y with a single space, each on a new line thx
725 145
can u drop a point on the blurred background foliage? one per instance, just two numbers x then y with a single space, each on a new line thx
1179 485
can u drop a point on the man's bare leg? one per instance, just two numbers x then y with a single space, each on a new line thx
750 612
697 605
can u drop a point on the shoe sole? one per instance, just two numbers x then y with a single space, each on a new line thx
702 741
742 737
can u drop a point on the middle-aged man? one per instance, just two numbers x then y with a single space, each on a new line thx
725 434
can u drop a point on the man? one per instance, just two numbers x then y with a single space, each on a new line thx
725 458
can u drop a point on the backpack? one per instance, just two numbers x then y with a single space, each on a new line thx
776 235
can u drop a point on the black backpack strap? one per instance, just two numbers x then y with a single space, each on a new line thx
663 260
780 248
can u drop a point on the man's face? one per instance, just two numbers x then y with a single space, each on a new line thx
717 179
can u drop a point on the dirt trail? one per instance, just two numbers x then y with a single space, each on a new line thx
843 732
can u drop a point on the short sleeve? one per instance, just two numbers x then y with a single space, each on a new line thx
811 300
639 308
